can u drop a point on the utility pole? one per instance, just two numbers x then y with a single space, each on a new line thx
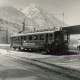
63 19
23 25
34 29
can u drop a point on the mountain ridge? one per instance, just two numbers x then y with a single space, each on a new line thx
42 18
35 17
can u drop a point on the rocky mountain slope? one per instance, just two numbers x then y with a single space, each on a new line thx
11 14
42 18
10 26
35 17
12 19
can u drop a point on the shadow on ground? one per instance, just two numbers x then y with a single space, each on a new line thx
19 73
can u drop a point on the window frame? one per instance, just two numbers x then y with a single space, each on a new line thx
50 37
29 37
37 37
40 37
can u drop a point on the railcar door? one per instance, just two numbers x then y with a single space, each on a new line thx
46 39
21 40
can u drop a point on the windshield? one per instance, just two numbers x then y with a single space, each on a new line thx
65 37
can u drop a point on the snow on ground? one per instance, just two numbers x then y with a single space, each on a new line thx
5 49
72 61
23 54
5 45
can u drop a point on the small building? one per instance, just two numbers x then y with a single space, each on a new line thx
3 37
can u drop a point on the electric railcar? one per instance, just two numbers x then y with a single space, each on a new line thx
41 41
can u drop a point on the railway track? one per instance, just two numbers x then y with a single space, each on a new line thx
68 72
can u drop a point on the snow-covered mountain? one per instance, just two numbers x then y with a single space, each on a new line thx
35 17
13 18
10 26
11 14
42 18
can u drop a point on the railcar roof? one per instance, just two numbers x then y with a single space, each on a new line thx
32 33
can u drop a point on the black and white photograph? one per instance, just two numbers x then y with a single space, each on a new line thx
39 39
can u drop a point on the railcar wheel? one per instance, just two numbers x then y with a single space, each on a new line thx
19 49
48 51
38 50
14 48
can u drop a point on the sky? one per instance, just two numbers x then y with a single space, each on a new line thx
71 8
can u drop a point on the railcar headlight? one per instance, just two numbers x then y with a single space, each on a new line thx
24 41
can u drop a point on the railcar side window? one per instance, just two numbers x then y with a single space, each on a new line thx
50 36
19 38
14 38
41 37
24 37
30 37
35 37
